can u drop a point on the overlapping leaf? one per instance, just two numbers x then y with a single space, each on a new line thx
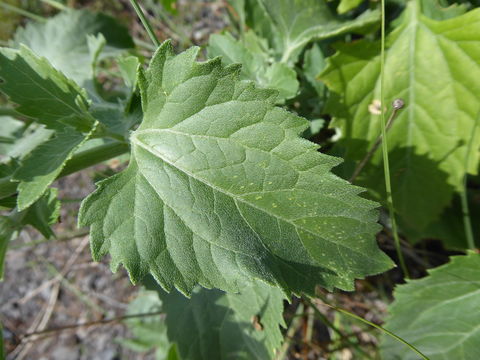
431 65
253 54
211 324
269 53
45 94
438 314
294 23
220 190
67 40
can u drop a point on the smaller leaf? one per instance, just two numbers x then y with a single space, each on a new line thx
43 213
252 53
128 66
44 164
64 41
42 92
438 314
347 5
313 65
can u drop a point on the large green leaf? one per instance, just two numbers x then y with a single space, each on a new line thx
211 324
438 314
64 41
294 23
220 189
431 65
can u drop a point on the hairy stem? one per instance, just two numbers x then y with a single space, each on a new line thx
145 22
386 165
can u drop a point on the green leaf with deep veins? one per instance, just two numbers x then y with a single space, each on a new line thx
221 190
438 314
433 66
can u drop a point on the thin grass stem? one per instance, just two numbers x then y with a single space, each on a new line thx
382 329
145 22
386 165
467 221
22 12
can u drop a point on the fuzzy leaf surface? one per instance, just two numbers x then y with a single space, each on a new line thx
438 314
221 190
433 66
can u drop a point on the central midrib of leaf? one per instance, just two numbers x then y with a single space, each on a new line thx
237 198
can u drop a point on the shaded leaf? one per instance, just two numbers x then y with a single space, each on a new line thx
438 314
431 65
44 213
220 190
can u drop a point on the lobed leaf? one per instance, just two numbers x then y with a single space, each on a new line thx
220 190
431 65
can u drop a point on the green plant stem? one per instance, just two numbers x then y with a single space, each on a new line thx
22 12
332 326
55 4
386 165
145 22
389 333
374 148
467 221
79 161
